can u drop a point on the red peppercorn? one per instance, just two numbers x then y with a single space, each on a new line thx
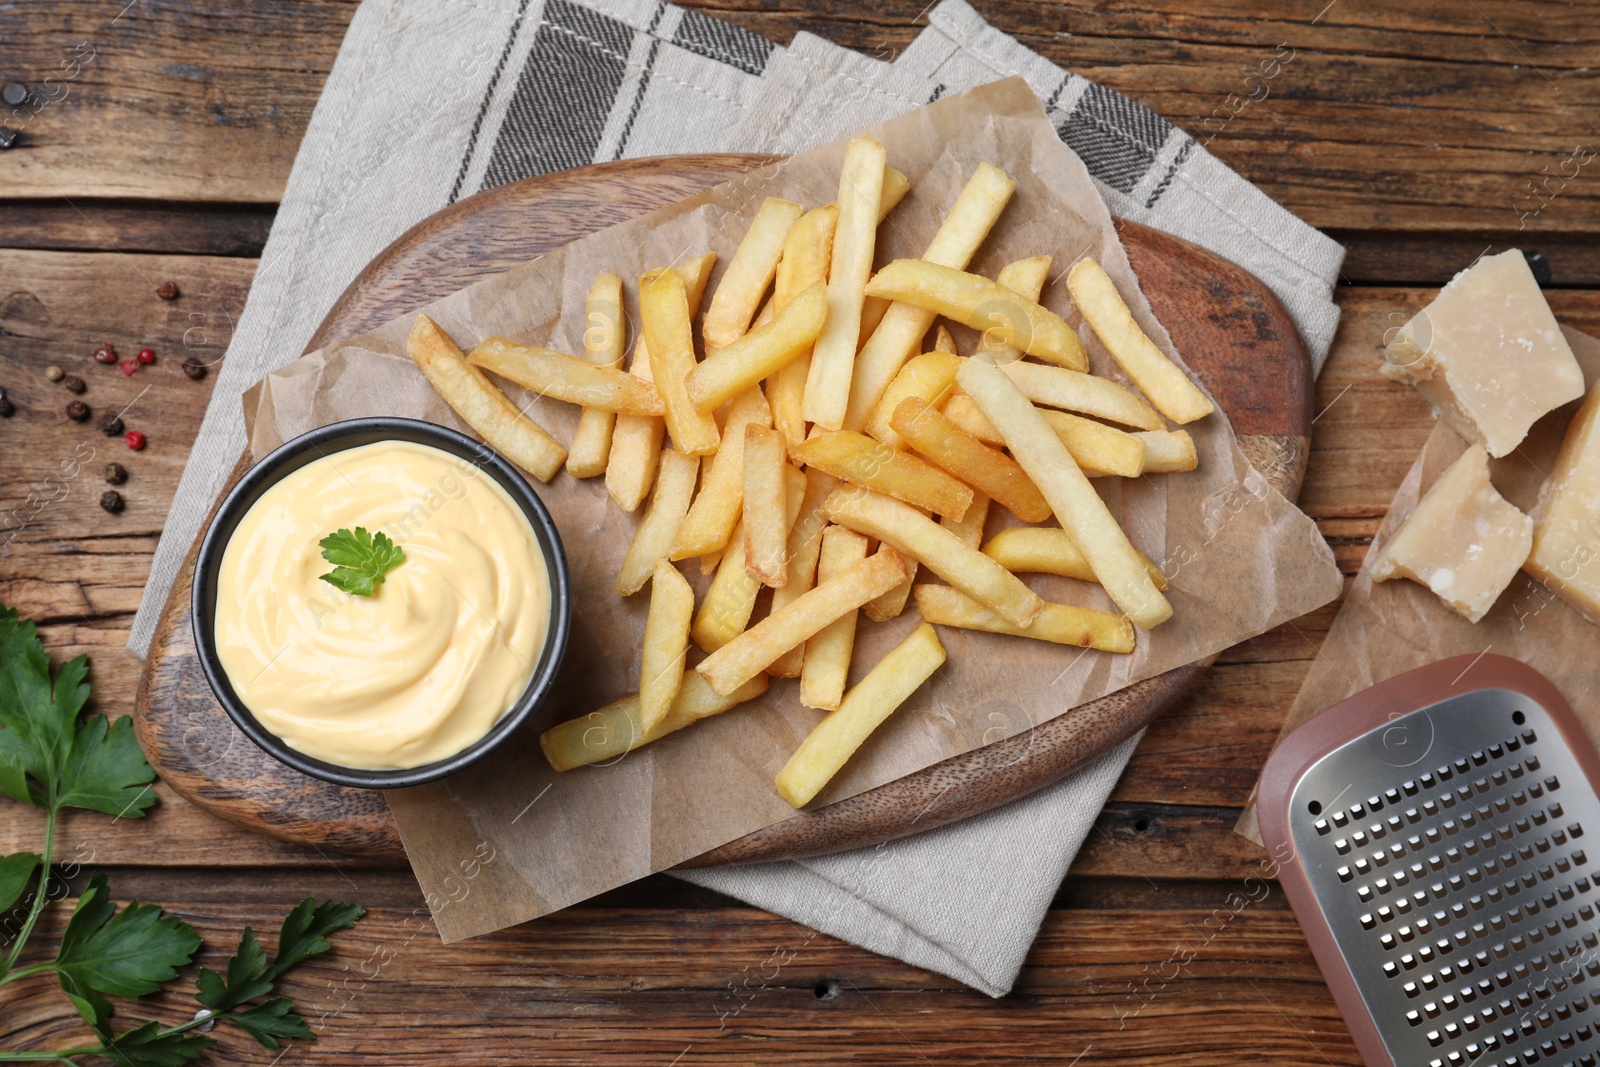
128 366
105 353
133 439
146 356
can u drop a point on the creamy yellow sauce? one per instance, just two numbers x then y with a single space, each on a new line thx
416 672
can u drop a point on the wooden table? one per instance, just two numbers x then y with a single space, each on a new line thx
1419 135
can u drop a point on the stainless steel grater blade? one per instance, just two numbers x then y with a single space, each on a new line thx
1433 837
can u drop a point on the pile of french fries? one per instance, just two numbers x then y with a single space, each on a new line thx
816 449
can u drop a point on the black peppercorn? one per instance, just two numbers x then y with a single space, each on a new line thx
194 369
7 408
73 384
116 473
78 411
112 426
111 500
167 291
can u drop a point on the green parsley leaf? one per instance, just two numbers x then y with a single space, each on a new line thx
270 1021
127 953
360 559
245 980
16 870
151 1046
306 929
49 755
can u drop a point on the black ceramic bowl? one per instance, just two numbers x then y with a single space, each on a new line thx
336 438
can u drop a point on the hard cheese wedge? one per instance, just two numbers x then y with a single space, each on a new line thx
1464 541
1487 354
1566 522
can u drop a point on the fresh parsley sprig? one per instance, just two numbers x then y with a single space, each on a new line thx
54 757
361 560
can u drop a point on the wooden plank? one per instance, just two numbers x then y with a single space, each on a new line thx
135 226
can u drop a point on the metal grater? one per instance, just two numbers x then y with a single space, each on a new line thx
1430 833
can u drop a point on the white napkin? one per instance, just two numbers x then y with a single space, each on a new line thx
497 90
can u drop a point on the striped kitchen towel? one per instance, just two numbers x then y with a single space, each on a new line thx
497 90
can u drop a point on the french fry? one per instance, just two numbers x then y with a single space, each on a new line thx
834 357
942 341
928 376
480 404
563 377
656 530
765 505
1118 566
636 439
668 331
985 305
726 610
895 188
1058 387
1162 381
805 546
860 460
896 337
617 728
1026 278
835 739
754 650
749 273
604 345
711 518
970 526
1062 624
937 549
950 448
826 666
744 361
768 310
891 604
1098 449
666 643
1167 451
806 253
1047 550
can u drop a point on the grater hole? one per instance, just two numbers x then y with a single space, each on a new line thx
1315 807
1518 718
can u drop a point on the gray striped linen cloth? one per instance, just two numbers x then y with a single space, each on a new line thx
492 91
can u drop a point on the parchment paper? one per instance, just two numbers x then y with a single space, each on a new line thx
1387 628
510 839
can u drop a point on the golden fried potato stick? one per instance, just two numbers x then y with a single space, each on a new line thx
936 548
666 643
1166 385
985 305
970 526
711 518
636 439
1116 563
1026 278
859 460
656 530
895 340
826 665
806 254
833 359
766 529
836 738
754 650
616 729
1058 387
766 349
1062 624
1048 550
1167 451
947 446
805 546
1099 449
480 404
604 345
669 333
749 273
929 377
563 377
726 610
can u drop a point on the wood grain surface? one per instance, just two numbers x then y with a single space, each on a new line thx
1411 131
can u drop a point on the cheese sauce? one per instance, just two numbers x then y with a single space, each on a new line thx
424 667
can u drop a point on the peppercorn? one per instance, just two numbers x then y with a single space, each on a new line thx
111 500
78 411
133 439
194 369
146 356
116 473
54 373
106 353
128 366
167 291
112 426
7 408
73 384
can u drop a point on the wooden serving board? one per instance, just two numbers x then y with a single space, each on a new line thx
1229 327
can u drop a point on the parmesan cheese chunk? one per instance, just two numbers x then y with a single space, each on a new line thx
1566 521
1487 354
1464 541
